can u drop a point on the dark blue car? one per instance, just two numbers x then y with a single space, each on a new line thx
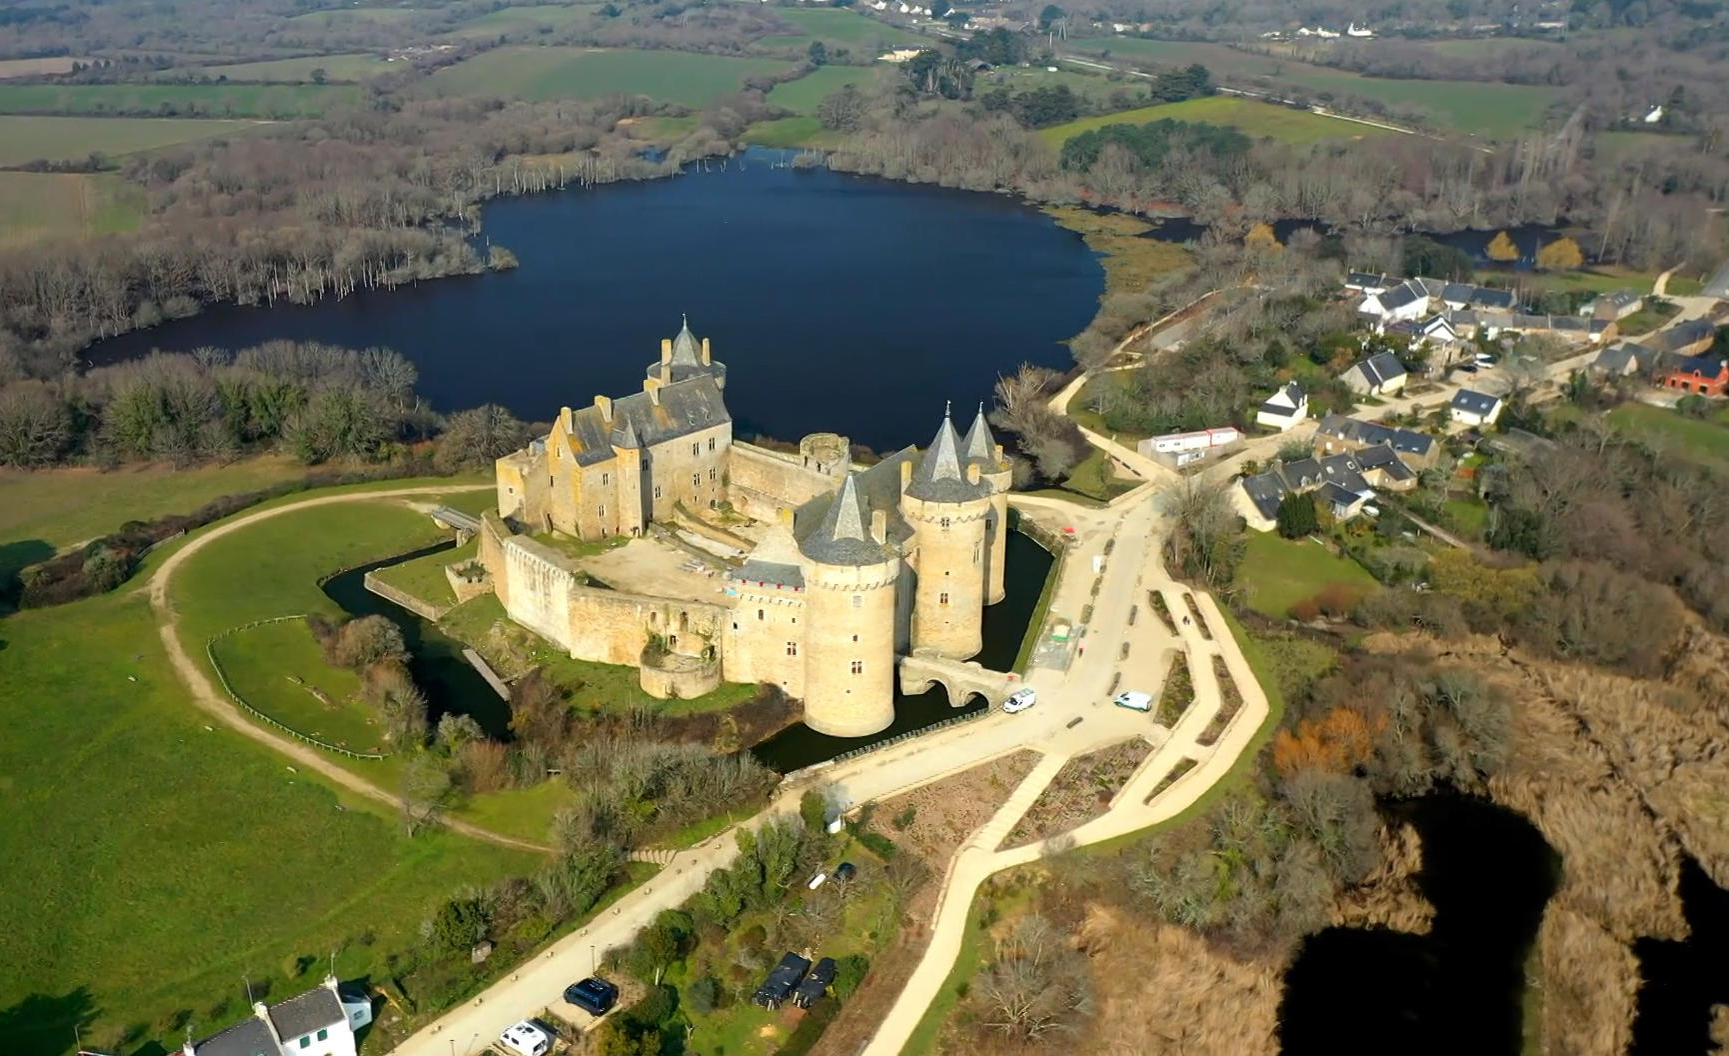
594 996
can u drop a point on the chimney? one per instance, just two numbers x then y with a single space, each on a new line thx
564 418
906 473
652 387
972 472
666 350
262 1010
705 356
605 405
880 526
187 1049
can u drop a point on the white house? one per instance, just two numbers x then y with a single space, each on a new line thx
321 1022
1284 408
1405 302
1617 304
1380 375
1475 408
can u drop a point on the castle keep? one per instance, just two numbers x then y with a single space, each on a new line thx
832 571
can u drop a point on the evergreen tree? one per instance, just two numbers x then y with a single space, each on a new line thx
1297 516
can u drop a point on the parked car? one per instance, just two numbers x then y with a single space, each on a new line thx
1133 699
817 881
592 995
845 871
526 1039
1020 700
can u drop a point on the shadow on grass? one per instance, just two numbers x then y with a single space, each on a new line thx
14 558
45 1025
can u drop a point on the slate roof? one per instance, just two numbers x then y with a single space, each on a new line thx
685 407
1379 368
1301 473
1488 298
1335 495
1458 292
1404 441
686 359
1473 402
843 536
1294 397
979 445
1363 280
1625 358
1343 471
305 1013
939 475
1682 335
1399 296
1266 491
1382 458
249 1037
1704 366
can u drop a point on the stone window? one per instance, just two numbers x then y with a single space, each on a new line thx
711 443
858 601
696 480
695 449
792 648
943 598
759 614
855 637
945 524
858 667
975 553
657 491
711 476
605 479
600 511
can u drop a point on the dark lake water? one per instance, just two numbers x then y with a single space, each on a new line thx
839 303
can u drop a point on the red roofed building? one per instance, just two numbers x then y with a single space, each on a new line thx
1703 375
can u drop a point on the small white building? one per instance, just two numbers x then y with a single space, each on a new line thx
1475 408
321 1022
1181 449
1284 408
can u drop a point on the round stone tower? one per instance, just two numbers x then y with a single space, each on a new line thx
947 502
980 448
849 662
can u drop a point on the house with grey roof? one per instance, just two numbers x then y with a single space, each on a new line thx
1683 339
1614 305
1476 409
1342 483
1284 408
1339 433
1379 375
323 1021
1625 360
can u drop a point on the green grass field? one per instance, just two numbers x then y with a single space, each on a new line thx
60 507
1277 573
528 18
259 662
681 77
355 17
789 133
279 101
856 31
424 577
1253 118
1488 109
41 206
1704 440
804 94
30 138
356 67
153 861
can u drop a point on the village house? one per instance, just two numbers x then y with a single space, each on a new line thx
1337 433
321 1022
1343 484
1284 408
1697 375
1476 409
1379 375
1617 304
1690 338
1418 298
1625 360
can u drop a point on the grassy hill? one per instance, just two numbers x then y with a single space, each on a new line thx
1252 117
682 77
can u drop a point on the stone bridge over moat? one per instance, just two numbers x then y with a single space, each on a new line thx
959 678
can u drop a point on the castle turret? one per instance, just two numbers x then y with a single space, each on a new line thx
684 357
981 448
947 502
849 659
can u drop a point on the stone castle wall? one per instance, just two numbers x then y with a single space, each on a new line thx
761 483
849 648
949 600
764 640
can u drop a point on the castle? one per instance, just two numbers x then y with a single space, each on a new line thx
836 571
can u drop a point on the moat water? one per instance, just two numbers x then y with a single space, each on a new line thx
839 303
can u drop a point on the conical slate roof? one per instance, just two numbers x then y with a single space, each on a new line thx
939 476
685 350
843 537
979 445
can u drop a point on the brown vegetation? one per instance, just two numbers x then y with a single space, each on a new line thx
1081 791
1230 702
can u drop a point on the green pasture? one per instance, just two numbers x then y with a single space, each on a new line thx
1254 118
275 667
1704 440
65 506
528 18
681 77
155 859
355 67
280 101
1277 573
34 138
424 578
804 94
790 133
855 30
355 17
44 206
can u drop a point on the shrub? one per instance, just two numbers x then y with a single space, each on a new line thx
1306 610
905 817
703 995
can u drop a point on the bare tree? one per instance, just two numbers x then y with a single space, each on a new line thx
1038 987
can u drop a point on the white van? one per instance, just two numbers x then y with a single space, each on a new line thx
1133 699
526 1039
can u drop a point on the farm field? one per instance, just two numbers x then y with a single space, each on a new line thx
1253 118
806 93
526 18
53 505
25 139
37 67
38 206
351 17
259 662
1482 47
1704 440
1488 109
834 25
153 861
178 100
1278 573
791 132
533 73
337 68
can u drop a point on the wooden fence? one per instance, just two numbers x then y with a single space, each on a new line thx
227 687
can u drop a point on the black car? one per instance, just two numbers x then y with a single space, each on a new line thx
594 996
845 871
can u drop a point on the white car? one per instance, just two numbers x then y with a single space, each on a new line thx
1020 700
1132 699
526 1039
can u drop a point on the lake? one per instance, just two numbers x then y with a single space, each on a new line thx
839 303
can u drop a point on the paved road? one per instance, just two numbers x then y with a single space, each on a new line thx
219 707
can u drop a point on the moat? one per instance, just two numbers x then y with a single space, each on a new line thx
840 303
